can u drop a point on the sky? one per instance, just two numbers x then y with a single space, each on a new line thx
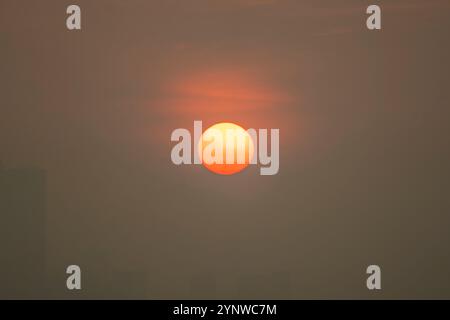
364 144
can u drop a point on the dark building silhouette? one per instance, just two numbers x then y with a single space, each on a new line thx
22 233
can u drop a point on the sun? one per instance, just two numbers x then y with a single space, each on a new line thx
225 148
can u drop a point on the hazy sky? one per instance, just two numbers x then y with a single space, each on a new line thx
364 144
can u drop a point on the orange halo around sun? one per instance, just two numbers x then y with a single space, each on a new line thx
235 139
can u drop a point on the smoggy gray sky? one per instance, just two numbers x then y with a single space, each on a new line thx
364 144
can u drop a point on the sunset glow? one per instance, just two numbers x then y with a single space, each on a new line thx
236 152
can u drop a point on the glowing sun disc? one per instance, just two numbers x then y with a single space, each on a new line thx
234 148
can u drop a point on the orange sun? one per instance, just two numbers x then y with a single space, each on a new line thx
225 148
